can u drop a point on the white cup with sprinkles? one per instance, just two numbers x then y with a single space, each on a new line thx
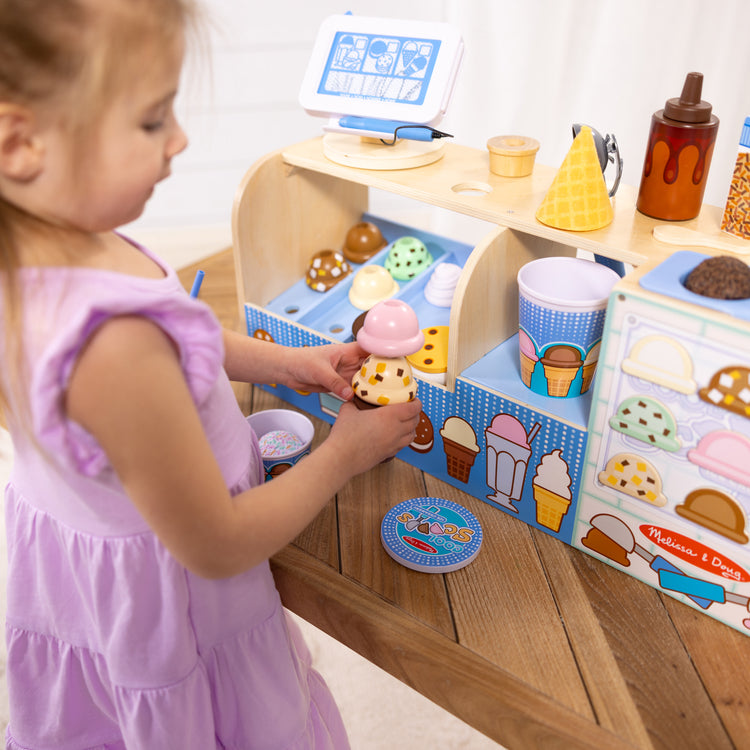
562 304
284 436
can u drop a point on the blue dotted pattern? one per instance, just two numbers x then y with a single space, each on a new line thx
546 327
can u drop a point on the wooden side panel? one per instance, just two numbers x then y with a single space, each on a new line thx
281 216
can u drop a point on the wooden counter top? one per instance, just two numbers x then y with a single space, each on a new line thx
535 644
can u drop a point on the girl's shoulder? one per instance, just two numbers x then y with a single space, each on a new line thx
63 306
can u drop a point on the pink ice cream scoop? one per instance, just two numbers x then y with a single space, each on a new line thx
527 346
508 427
391 329
724 452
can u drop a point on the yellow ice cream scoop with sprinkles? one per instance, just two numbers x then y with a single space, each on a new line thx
384 380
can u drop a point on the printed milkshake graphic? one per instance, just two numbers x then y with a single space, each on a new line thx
552 490
508 452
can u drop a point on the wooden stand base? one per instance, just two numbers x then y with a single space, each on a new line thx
368 153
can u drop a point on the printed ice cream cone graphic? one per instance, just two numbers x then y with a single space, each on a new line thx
528 356
527 368
552 490
559 379
578 199
589 367
550 508
460 446
588 375
561 364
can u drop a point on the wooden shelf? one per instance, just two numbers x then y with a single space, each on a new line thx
535 643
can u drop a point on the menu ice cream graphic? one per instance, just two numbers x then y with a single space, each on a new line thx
729 389
634 476
716 511
648 420
460 446
725 453
661 360
552 490
508 453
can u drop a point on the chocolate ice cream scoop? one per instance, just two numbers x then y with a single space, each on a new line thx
721 277
562 355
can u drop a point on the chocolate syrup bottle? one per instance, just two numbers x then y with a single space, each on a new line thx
678 155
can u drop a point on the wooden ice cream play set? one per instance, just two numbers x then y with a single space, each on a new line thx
649 469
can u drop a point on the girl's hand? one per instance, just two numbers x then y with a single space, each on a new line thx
324 368
365 438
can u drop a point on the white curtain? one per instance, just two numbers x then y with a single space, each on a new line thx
535 67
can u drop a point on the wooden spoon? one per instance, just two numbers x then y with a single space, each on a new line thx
675 235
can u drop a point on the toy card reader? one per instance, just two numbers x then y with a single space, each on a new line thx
384 85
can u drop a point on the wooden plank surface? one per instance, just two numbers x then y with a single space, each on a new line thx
534 644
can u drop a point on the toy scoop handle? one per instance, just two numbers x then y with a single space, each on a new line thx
674 235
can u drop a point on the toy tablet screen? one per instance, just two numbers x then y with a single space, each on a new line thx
382 68
386 68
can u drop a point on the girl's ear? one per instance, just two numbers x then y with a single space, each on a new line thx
21 149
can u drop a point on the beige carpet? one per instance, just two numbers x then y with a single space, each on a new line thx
380 712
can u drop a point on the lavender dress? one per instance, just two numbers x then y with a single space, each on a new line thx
111 642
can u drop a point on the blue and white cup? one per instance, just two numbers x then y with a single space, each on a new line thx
562 305
280 425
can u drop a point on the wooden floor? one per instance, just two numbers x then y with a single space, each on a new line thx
535 644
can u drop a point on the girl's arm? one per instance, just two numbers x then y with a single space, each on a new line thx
129 392
315 368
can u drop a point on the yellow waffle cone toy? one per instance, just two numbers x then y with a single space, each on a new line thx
577 198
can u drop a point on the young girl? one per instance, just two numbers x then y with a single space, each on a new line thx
141 608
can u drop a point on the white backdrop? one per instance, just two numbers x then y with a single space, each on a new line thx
531 67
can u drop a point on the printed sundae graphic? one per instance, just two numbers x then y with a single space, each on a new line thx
508 452
552 490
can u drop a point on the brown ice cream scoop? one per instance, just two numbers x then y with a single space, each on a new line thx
720 277
363 241
611 538
562 355
716 511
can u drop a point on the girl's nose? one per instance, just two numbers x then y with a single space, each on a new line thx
177 143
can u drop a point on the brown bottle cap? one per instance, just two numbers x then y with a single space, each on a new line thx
689 107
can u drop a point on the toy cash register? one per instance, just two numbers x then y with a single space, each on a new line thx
384 85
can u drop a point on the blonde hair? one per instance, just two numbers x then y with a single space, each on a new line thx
67 57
